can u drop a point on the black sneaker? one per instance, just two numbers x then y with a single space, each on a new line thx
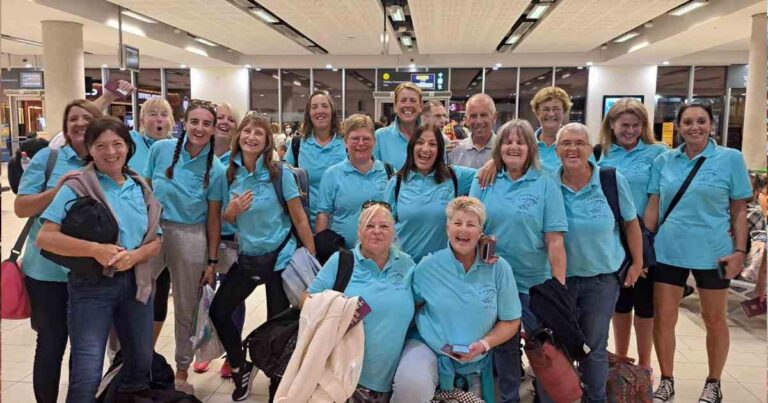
666 390
243 377
712 392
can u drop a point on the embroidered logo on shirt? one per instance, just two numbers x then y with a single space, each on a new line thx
487 293
443 193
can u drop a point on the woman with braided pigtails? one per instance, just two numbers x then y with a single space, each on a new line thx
188 181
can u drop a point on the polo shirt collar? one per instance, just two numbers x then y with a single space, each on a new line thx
709 150
530 175
639 147
459 267
396 124
258 172
109 184
369 263
203 153
349 168
70 153
594 180
335 138
540 143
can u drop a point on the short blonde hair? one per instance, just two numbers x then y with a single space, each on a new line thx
574 128
151 103
524 130
356 122
369 212
552 94
232 111
467 204
629 106
410 86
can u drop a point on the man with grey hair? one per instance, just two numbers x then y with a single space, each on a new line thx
475 151
434 112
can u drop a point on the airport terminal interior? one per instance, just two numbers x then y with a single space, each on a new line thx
269 56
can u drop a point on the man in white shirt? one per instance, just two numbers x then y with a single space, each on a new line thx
475 150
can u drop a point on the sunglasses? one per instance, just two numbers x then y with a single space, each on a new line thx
370 203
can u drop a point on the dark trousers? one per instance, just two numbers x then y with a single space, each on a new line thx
506 358
49 319
237 285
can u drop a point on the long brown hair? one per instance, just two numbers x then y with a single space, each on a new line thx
272 166
195 104
307 128
439 167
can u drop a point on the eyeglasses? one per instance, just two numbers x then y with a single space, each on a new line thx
552 110
370 203
577 144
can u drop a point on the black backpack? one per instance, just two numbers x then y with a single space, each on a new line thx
15 171
271 345
90 220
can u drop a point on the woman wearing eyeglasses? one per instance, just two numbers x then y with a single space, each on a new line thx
346 185
382 275
593 249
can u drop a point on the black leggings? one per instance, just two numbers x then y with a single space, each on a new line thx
49 319
639 297
162 289
237 285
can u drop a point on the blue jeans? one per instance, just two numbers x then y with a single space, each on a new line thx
596 299
506 359
94 306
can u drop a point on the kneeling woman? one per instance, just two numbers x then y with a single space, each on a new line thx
463 300
266 242
97 301
382 276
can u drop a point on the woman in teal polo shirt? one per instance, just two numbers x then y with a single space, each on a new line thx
382 275
265 240
46 281
346 185
527 215
695 239
155 123
593 249
426 187
462 300
188 180
627 144
320 145
392 141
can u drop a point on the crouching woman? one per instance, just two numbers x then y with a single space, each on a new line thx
120 294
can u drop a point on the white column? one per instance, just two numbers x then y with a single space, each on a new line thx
222 84
753 144
64 69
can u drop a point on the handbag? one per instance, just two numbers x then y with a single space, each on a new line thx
15 299
554 370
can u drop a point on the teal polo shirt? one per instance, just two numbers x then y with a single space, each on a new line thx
391 145
548 158
696 234
461 307
520 212
635 165
184 198
389 294
420 209
264 225
592 243
126 201
33 264
227 229
138 161
343 190
316 159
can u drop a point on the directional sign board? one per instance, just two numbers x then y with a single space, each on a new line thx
432 80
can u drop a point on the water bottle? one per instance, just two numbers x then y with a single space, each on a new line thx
25 160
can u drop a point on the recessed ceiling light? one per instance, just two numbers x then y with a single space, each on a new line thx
247 66
537 11
104 66
329 66
665 62
139 17
183 66
412 66
28 65
258 69
494 68
688 7
265 16
626 37
589 63
406 40
497 65
397 14
513 39
205 41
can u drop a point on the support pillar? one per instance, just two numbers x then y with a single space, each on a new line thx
64 69
754 136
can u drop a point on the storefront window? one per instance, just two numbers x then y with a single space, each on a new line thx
574 81
501 85
179 94
736 118
92 84
358 97
264 93
330 82
294 91
671 91
531 81
464 83
121 108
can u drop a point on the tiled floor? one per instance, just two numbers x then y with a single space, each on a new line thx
744 379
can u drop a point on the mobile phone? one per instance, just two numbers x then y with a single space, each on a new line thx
460 349
753 307
722 271
487 248
114 88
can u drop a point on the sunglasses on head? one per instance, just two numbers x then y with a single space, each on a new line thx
370 203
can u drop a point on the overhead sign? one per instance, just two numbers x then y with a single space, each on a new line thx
432 80
31 80
129 58
22 79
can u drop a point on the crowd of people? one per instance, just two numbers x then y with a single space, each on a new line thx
414 201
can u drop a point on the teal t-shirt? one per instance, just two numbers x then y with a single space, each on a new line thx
264 226
592 243
33 263
635 165
520 212
316 159
184 198
459 307
126 201
391 145
696 233
343 190
389 294
420 209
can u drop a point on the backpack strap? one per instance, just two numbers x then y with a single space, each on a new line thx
295 145
597 151
277 184
344 271
455 181
681 191
390 170
22 239
611 191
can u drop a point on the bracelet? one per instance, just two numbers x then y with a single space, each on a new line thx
742 251
485 344
213 261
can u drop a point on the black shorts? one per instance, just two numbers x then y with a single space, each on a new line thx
639 297
705 279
